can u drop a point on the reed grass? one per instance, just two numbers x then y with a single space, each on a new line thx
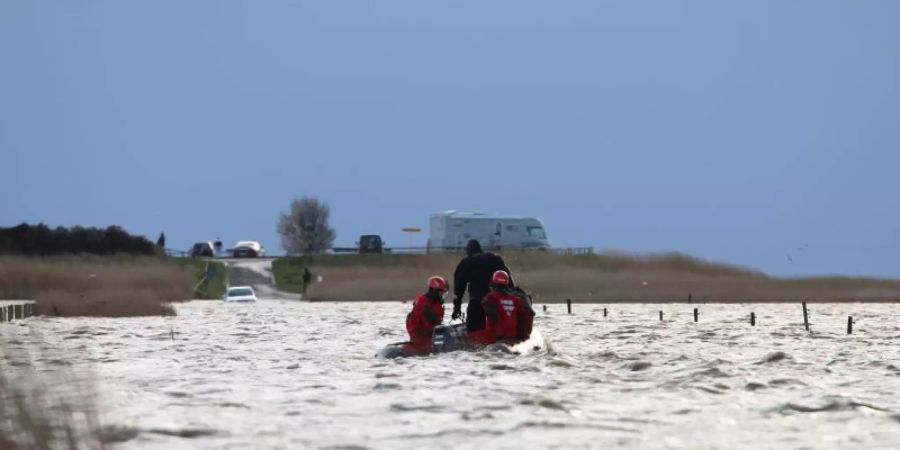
95 286
45 410
599 278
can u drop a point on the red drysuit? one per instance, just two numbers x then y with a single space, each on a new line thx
426 314
509 319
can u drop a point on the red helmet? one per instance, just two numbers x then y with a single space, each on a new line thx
500 278
438 284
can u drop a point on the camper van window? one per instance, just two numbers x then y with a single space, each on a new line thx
537 233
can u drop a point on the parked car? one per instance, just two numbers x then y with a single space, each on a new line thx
248 249
240 294
370 243
202 249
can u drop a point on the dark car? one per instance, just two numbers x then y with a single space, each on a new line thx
202 249
370 243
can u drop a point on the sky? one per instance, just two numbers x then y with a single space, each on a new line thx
732 131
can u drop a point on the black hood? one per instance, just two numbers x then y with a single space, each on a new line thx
473 247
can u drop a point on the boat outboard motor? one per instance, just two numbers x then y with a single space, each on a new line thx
448 338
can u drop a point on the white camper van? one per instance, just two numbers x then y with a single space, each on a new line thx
453 229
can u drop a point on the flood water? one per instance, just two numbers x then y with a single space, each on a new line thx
280 374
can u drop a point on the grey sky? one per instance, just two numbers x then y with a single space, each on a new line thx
734 131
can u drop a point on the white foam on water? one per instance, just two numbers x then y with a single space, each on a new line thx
283 374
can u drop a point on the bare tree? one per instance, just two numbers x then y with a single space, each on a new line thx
304 229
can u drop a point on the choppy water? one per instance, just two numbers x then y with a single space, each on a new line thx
299 375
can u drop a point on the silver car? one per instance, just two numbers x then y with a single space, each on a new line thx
240 294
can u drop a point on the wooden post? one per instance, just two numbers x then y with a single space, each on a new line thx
849 324
545 308
569 305
660 315
2 314
696 314
752 319
805 317
604 312
20 313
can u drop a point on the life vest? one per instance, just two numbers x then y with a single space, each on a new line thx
418 325
509 317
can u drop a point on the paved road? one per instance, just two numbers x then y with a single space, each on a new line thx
258 274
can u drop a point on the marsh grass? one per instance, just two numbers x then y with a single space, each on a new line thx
599 278
204 287
288 274
96 286
44 410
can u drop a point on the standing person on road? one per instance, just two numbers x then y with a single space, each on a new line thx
475 272
307 277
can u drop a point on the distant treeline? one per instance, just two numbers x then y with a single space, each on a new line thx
42 240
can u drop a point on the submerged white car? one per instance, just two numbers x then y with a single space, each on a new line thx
240 294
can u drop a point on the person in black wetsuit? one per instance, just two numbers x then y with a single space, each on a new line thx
475 272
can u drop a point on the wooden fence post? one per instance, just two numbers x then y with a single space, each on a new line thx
805 317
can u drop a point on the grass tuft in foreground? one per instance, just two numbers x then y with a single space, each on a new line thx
45 409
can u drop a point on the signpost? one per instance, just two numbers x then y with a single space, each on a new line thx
412 233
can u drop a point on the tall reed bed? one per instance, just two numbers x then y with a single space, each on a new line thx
599 278
95 286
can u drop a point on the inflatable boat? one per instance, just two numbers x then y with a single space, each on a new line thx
454 337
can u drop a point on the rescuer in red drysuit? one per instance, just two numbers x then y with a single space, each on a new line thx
509 315
427 312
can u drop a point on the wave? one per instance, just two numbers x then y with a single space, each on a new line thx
778 382
712 372
775 357
399 407
834 405
544 403
638 366
560 425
